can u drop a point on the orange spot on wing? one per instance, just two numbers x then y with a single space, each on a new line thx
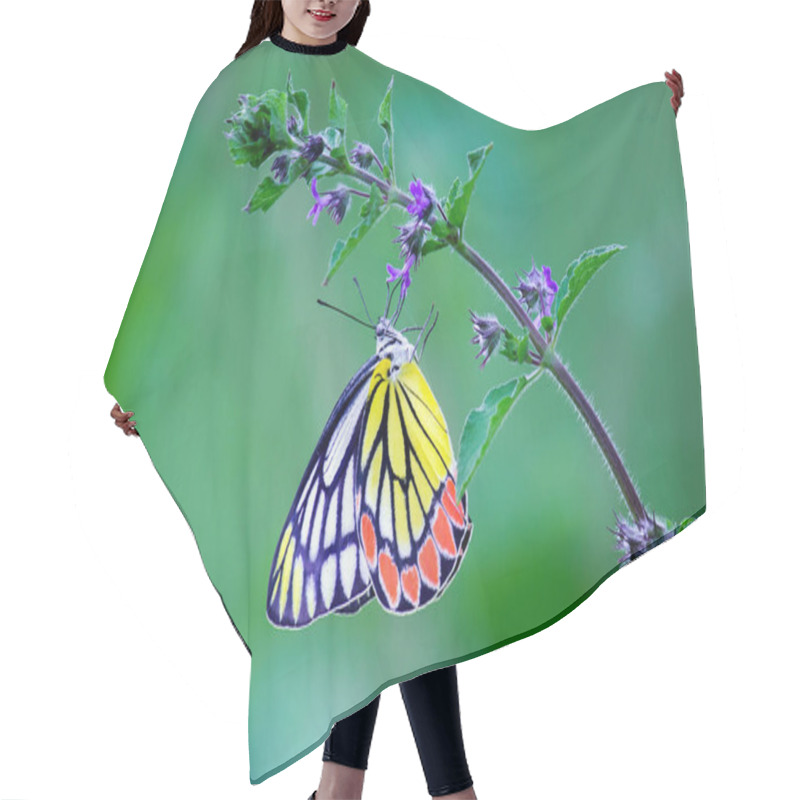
443 533
429 562
449 500
411 584
368 539
390 578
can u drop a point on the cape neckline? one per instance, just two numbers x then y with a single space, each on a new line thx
311 49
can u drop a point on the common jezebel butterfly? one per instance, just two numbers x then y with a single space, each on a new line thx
375 514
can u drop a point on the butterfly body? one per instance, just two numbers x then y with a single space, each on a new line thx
375 514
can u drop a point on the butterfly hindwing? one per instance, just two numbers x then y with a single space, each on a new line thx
318 566
412 529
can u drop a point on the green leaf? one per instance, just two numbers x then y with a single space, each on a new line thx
578 274
431 245
266 194
439 230
334 139
259 127
337 117
316 169
515 348
268 191
301 102
459 196
483 423
385 121
371 211
455 190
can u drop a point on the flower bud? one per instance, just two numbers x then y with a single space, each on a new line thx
488 332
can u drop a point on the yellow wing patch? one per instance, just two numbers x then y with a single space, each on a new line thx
411 528
377 396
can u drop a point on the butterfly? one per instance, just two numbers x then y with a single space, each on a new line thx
375 514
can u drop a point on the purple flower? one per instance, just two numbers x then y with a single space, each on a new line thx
320 201
411 238
395 273
280 167
337 202
488 332
313 148
633 539
422 204
537 290
340 202
361 155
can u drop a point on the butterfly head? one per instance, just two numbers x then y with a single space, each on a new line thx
391 343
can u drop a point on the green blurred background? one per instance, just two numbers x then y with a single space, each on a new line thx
232 367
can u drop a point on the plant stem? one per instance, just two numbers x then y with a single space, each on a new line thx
561 374
548 356
601 435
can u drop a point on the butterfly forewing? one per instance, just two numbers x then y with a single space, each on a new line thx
318 566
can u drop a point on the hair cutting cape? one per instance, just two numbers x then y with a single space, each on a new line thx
515 417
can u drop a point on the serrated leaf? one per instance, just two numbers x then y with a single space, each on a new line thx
259 127
265 195
385 121
455 189
577 276
301 102
337 117
483 423
371 211
337 109
459 196
269 190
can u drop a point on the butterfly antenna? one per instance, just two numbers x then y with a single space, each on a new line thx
416 344
390 290
347 314
400 305
430 330
364 302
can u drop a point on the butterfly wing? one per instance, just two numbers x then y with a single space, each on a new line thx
318 566
412 530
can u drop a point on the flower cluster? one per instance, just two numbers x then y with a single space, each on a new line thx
293 125
634 539
488 333
336 201
362 155
313 147
280 167
413 234
424 198
252 138
537 290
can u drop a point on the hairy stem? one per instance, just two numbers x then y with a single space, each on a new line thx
561 374
547 355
